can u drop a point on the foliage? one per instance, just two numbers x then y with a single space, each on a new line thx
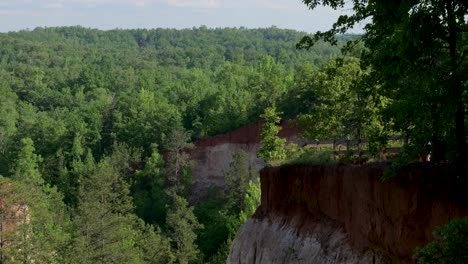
211 213
27 164
35 222
273 147
155 246
223 252
252 200
222 215
181 224
147 188
314 157
451 245
145 118
86 114
236 181
7 122
415 54
340 106
104 222
179 165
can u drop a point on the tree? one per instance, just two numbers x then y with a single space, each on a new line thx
340 105
451 246
27 164
36 212
213 213
178 166
236 181
105 223
416 53
273 146
81 165
269 83
252 200
35 223
155 246
7 122
148 190
181 224
144 118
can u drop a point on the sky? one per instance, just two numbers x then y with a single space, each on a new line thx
110 14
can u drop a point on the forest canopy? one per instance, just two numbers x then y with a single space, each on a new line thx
85 114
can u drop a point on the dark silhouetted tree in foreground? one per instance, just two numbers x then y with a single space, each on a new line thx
416 56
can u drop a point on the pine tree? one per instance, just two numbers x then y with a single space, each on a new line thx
155 246
27 164
181 224
178 162
236 182
105 224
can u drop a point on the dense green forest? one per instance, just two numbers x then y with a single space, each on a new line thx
85 114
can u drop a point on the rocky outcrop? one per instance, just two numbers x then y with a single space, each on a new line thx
346 214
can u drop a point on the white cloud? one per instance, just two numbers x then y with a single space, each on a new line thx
204 4
194 3
98 3
12 3
12 12
265 4
142 3
54 5
35 13
18 14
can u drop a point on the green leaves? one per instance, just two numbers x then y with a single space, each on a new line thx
252 200
38 226
415 52
27 164
181 224
273 147
145 118
451 245
86 101
236 181
105 223
341 105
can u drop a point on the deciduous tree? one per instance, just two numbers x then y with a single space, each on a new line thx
273 147
416 53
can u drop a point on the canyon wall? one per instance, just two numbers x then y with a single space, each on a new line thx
346 214
212 156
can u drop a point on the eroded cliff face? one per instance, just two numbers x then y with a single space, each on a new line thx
213 155
346 214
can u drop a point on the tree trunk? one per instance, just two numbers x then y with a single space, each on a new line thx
456 88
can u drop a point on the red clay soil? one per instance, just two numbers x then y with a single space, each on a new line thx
394 217
249 134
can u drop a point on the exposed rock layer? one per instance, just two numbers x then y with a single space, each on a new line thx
213 155
346 214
